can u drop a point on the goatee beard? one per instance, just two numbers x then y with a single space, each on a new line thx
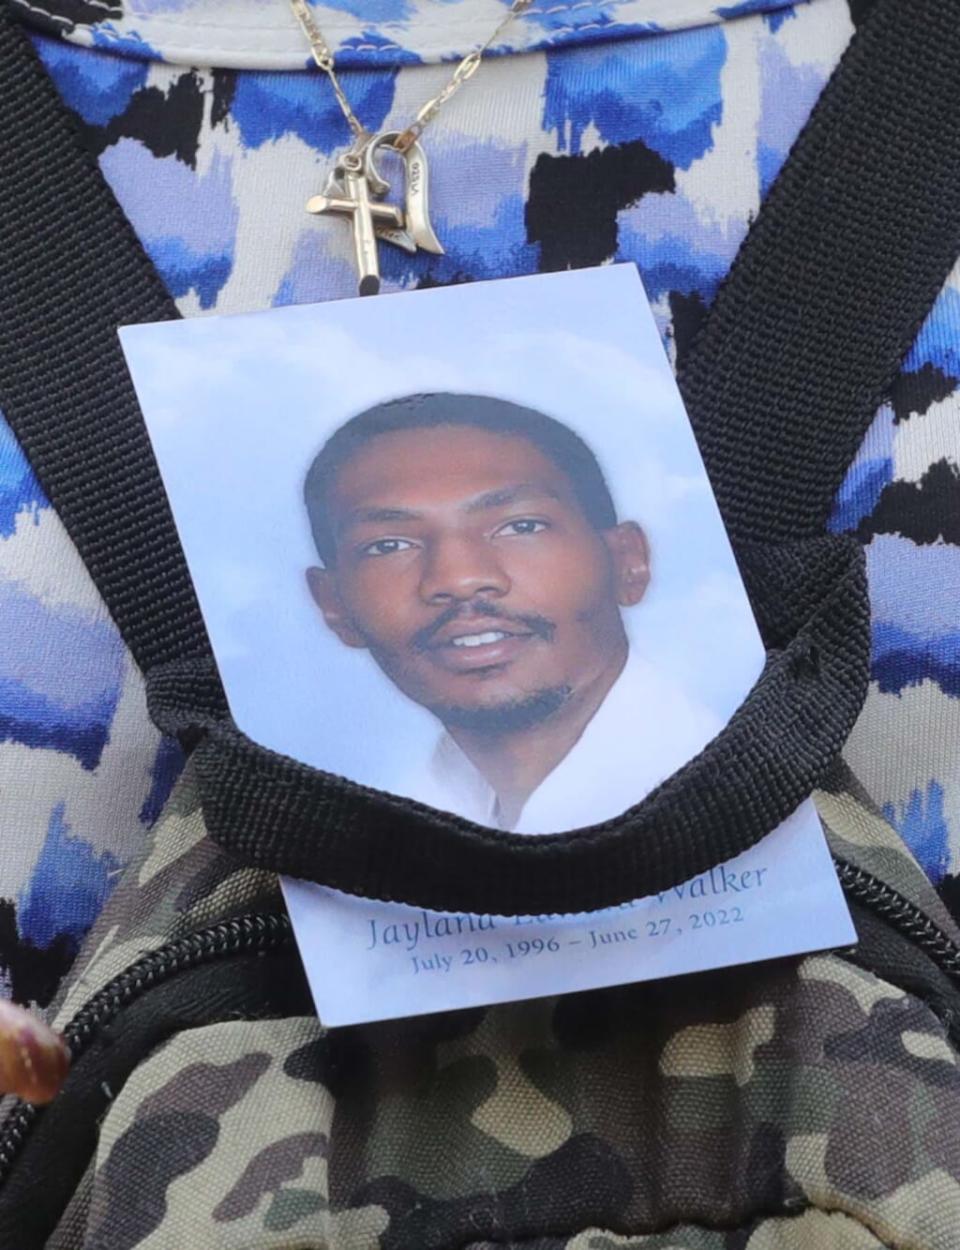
510 717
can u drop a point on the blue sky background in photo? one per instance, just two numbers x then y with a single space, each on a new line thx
238 406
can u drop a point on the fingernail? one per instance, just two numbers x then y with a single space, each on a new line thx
33 1059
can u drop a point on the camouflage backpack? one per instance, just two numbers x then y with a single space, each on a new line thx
810 1102
799 1103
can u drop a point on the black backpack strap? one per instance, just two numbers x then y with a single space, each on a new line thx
845 259
71 271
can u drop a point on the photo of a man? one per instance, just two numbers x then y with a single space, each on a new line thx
472 546
500 586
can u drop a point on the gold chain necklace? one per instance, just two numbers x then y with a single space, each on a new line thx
355 188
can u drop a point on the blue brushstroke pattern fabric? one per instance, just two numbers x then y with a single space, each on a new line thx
82 771
658 125
263 34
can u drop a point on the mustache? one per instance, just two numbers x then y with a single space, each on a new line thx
481 610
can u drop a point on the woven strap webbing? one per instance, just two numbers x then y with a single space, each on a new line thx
71 271
843 262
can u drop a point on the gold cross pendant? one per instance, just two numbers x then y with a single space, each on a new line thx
356 190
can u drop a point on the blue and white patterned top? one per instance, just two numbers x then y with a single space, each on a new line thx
264 34
637 130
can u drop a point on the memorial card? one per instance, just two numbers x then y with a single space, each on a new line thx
460 545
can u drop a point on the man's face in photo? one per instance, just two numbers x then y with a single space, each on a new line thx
466 565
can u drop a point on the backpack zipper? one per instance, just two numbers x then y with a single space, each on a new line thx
261 932
901 914
244 935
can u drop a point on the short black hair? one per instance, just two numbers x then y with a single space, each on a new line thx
567 450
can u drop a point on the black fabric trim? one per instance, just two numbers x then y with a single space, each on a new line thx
850 250
274 811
